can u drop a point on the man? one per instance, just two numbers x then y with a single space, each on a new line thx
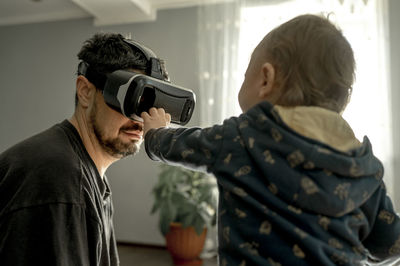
55 201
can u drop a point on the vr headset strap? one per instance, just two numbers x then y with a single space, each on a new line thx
98 80
154 67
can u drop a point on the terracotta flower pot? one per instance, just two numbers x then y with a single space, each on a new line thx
185 245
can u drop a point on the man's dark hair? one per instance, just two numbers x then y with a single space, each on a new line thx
107 52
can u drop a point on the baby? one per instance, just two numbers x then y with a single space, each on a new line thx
296 186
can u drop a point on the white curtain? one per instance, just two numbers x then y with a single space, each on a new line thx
364 22
218 29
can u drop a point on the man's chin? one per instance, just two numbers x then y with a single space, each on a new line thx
132 150
119 149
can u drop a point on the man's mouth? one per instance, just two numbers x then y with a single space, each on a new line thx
133 134
134 130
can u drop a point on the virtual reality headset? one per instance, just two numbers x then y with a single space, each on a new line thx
132 93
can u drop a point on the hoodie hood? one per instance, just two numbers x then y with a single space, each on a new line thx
320 124
328 170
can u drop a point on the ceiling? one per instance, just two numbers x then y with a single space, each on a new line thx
103 12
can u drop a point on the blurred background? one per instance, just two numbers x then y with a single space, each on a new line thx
207 46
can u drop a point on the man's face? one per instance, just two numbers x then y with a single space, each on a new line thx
118 135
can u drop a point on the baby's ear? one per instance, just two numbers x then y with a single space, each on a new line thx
268 74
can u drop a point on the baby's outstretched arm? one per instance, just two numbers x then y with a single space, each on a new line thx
191 147
155 118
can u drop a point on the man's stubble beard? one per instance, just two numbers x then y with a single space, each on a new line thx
113 146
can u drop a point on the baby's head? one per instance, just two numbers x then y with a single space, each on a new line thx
306 61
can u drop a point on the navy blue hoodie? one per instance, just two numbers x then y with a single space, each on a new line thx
296 187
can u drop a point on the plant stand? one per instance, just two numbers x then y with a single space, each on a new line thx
185 245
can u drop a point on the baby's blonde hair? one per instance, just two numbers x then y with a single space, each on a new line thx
314 63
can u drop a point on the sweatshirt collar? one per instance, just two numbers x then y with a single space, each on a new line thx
320 124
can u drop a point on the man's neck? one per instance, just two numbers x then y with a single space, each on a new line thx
100 157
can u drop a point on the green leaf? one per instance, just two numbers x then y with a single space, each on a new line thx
198 225
154 208
188 220
168 213
164 222
164 226
172 208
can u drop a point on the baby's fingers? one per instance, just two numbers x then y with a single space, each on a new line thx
145 115
153 111
168 118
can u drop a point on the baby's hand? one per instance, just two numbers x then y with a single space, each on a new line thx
155 118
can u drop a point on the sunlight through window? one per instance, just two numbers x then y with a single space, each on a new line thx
361 23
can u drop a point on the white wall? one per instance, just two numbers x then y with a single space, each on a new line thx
37 75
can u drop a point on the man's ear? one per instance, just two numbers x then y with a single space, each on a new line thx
268 74
85 91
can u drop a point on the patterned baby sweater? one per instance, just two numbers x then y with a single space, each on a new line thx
295 187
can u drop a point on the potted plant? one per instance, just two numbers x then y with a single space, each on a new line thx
186 201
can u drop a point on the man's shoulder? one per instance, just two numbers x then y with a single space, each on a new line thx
42 169
51 146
